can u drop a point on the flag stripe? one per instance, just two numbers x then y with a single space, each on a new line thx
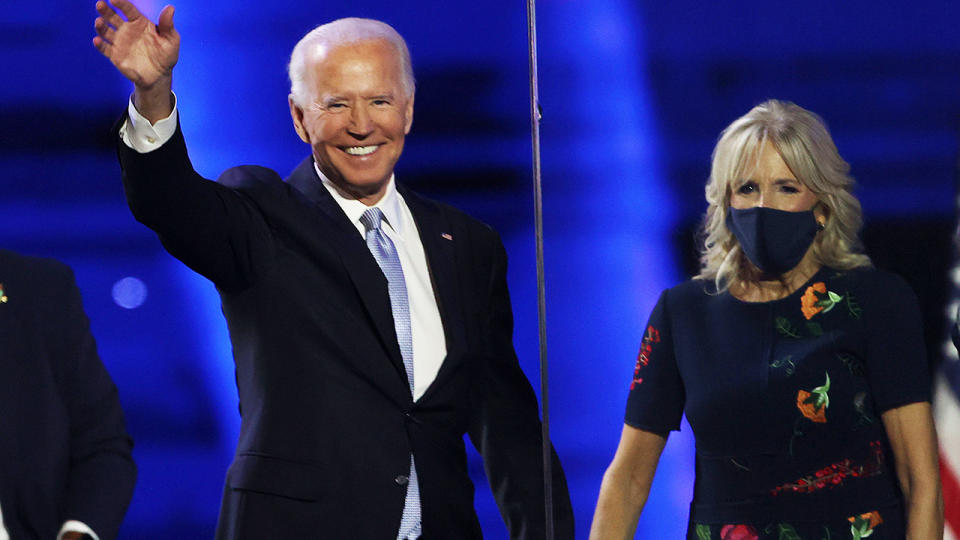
946 414
951 492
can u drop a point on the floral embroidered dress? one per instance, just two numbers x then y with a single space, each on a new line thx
784 399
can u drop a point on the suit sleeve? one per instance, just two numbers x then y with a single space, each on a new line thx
101 469
507 430
217 231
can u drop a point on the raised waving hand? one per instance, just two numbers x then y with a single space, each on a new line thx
142 51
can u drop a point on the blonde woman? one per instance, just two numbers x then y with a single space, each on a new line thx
800 368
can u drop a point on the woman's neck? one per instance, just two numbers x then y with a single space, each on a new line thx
766 290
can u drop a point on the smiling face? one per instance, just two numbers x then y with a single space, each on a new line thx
771 184
358 116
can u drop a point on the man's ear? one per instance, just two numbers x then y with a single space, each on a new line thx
296 113
409 116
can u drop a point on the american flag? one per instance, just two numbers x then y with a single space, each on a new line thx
946 413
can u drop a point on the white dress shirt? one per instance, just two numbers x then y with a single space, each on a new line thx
429 344
71 525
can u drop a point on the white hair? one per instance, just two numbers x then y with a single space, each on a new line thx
343 32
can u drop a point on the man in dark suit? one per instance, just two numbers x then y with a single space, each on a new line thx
65 465
371 327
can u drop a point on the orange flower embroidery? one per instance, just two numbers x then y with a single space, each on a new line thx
813 404
862 526
809 410
816 299
808 303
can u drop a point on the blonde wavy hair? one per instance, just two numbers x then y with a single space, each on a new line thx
802 140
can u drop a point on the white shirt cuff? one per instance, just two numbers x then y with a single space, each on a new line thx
139 134
73 525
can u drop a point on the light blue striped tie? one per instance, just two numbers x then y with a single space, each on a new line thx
385 253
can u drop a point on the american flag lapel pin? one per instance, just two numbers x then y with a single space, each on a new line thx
3 294
447 236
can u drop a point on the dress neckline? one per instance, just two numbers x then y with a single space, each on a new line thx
799 291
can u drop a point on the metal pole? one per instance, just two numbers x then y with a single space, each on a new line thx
535 118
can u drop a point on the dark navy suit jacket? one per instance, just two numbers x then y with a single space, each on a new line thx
64 450
328 420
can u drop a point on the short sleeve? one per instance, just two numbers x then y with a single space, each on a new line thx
656 398
896 362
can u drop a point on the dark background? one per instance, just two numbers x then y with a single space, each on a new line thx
634 96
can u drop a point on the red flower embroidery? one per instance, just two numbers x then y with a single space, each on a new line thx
738 532
836 473
643 358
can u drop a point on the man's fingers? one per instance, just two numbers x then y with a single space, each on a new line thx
165 23
129 10
102 46
104 30
108 14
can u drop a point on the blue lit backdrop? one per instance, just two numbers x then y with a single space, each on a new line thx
634 95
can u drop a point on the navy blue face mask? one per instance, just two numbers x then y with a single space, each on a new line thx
774 240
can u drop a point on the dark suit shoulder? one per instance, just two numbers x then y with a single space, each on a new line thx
455 216
250 177
34 271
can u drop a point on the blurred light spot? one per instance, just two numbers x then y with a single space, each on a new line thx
129 293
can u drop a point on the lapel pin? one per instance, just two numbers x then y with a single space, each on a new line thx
3 295
448 236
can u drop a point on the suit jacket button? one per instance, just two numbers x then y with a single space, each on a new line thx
401 479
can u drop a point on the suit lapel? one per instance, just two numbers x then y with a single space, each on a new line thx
367 278
436 235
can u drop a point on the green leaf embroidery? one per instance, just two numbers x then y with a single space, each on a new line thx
819 396
828 535
827 300
797 432
860 528
814 328
785 361
703 531
787 532
853 307
783 326
853 364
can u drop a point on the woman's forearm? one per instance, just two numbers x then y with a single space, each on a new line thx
618 507
626 484
924 511
914 443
